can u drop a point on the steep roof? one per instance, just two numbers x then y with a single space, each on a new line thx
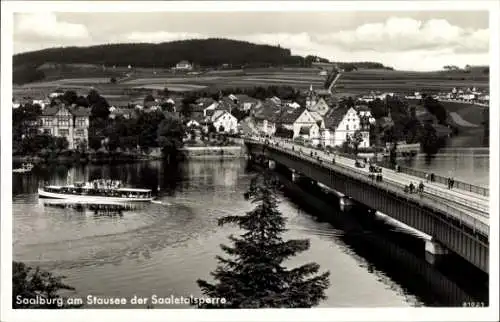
290 115
219 113
75 111
226 104
242 98
362 108
267 111
316 116
334 117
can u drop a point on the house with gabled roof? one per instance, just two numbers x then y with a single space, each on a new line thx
227 104
71 122
266 117
306 120
224 121
311 133
341 123
245 102
287 117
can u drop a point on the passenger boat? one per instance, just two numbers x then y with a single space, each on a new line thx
96 191
26 167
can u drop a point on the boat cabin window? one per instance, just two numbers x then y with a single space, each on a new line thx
136 194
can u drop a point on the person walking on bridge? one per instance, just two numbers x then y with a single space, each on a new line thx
412 187
421 187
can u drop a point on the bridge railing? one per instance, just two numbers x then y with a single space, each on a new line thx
473 205
440 179
393 186
417 173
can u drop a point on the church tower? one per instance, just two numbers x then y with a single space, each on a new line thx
312 98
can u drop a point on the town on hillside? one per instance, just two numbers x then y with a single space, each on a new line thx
262 159
313 116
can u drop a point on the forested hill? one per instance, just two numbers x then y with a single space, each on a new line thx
206 52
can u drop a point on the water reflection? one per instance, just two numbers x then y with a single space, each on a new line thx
163 248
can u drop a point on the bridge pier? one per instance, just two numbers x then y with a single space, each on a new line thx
434 251
295 176
435 248
345 203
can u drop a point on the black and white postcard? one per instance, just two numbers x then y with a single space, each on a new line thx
272 160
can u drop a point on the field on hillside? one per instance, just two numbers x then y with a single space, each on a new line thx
157 80
349 83
362 81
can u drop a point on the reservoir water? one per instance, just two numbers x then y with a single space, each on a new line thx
164 248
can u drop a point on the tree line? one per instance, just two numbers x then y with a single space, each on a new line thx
202 52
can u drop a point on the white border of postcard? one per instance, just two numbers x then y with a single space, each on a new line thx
345 314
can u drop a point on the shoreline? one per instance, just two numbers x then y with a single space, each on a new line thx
189 152
213 152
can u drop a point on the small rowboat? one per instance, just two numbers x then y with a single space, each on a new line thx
26 167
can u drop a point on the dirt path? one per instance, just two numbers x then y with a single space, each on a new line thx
460 121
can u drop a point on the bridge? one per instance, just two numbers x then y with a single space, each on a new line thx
456 219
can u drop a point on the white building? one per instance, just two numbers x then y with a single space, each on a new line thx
192 123
56 93
293 105
183 65
342 123
310 133
225 121
301 121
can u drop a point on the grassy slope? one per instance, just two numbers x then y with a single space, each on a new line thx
408 81
469 112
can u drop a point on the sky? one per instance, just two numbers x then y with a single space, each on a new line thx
423 40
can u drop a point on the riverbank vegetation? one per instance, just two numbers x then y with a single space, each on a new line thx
254 276
430 127
113 139
33 288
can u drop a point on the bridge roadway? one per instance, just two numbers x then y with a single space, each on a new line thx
467 207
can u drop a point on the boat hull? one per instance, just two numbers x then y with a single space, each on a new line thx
95 199
21 170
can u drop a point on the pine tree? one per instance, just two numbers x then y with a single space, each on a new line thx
29 284
254 276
